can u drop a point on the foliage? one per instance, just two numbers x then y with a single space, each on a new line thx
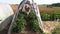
56 31
33 22
55 15
45 16
20 22
54 5
50 16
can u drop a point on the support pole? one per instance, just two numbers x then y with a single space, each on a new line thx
15 15
37 12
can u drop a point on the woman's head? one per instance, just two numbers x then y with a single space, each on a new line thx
27 7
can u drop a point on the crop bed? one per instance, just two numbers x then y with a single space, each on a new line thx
48 26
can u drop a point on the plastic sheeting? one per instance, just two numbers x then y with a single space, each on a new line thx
5 12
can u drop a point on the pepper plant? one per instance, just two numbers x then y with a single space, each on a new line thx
19 22
34 22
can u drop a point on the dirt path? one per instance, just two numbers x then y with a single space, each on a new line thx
49 25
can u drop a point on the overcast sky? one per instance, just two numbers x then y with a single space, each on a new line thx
37 1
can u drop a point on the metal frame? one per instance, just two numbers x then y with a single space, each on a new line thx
35 9
37 12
